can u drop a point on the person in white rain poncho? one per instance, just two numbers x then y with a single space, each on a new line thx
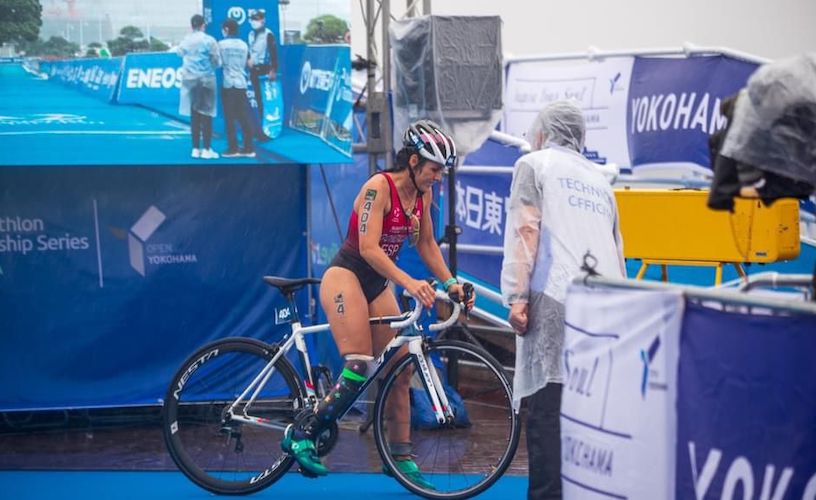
561 207
199 58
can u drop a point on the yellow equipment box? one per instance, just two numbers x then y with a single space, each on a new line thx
676 225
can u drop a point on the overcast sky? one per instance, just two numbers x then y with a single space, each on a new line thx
767 28
178 12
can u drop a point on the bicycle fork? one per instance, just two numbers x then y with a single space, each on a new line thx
433 384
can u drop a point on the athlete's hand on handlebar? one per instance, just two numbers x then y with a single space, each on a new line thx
422 291
463 293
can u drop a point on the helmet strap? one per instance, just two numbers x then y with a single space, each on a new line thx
413 179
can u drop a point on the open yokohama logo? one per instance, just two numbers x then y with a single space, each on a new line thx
138 235
141 252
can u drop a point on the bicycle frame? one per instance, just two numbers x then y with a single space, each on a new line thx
405 324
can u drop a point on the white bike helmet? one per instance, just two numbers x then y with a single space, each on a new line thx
431 142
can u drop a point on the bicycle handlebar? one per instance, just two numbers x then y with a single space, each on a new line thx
439 295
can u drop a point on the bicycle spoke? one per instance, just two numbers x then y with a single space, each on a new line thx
222 454
449 456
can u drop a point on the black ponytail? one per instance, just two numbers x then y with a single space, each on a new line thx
401 161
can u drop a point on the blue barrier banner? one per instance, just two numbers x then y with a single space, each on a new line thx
292 56
639 110
674 105
340 109
107 286
481 207
481 212
152 80
746 406
481 199
97 77
322 102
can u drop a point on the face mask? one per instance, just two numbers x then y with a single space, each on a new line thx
256 24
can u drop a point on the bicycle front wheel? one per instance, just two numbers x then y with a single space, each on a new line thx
226 454
461 458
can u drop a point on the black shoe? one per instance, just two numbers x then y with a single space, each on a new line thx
246 153
231 153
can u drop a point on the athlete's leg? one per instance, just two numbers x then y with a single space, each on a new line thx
398 406
346 308
398 409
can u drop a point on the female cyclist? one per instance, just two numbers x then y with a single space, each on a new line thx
391 207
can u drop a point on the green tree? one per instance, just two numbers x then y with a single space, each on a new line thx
131 32
130 39
20 20
157 45
326 29
54 47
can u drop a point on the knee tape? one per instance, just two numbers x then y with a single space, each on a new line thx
368 361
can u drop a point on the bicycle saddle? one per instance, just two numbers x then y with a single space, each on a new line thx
287 286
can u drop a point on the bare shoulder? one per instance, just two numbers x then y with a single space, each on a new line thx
374 188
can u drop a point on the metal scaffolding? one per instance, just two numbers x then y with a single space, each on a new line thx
379 136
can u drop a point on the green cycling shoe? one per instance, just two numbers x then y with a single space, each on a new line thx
410 469
304 452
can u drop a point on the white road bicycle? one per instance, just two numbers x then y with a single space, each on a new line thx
227 407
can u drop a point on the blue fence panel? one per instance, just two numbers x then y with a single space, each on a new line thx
674 105
152 80
109 285
97 77
746 405
322 102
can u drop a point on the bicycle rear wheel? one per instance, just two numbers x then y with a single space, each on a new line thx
219 453
462 458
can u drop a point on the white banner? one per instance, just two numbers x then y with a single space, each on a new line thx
618 426
600 87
